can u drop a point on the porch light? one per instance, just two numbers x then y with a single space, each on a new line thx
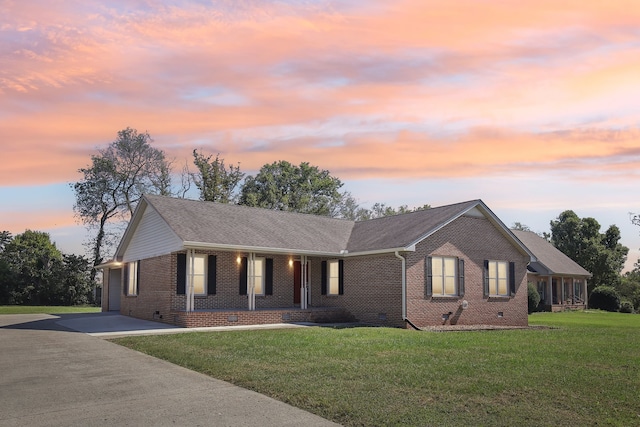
290 262
239 260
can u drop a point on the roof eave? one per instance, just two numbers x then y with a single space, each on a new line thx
291 251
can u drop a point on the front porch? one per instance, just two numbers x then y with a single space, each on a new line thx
260 316
559 293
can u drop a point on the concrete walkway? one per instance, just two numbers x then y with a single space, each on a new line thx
53 375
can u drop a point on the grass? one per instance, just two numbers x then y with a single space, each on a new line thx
583 370
46 309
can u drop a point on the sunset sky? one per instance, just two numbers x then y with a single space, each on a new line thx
531 106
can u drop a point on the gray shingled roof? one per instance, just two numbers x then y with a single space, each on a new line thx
221 224
403 230
549 259
227 224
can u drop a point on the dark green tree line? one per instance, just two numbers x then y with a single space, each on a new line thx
34 272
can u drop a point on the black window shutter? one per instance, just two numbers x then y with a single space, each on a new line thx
243 276
268 276
512 278
340 277
181 275
125 287
137 277
461 277
485 277
428 274
211 274
323 278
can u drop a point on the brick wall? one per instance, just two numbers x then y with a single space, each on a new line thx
155 290
474 240
372 289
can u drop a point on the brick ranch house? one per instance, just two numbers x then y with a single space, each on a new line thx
193 263
561 282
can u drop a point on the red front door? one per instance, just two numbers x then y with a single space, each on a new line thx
297 276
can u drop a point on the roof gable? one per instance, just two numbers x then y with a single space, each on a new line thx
550 260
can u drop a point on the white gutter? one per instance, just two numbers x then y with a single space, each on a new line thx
404 284
264 249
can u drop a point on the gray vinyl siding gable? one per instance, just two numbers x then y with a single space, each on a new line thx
152 237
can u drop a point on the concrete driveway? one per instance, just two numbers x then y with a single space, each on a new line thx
52 375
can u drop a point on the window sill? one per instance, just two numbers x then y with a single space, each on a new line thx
499 298
131 296
445 297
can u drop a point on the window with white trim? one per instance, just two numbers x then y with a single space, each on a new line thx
443 279
132 280
498 276
259 268
334 278
199 274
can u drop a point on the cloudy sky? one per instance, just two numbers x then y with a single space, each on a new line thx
532 106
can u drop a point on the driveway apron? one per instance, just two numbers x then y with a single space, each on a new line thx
53 376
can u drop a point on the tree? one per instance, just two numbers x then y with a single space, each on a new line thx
520 226
605 298
215 182
114 182
599 253
33 271
30 258
286 187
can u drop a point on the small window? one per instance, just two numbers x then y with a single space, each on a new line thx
132 279
199 274
334 278
444 276
258 284
498 278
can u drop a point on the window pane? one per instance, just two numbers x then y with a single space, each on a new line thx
436 266
493 269
502 286
258 284
133 278
502 270
198 264
437 285
450 286
450 266
198 285
334 286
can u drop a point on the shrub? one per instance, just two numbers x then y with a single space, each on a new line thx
534 297
605 298
626 307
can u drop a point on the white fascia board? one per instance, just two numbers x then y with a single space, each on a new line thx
411 248
341 254
224 247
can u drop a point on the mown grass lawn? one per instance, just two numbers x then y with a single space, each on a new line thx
583 370
46 309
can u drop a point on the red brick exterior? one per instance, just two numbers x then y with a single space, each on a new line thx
473 240
372 287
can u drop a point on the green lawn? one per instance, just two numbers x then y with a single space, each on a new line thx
584 370
34 309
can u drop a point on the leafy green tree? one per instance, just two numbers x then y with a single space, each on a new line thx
113 183
31 258
34 272
533 297
629 287
284 186
216 182
599 253
520 226
605 298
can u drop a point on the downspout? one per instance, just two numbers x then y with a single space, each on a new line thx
404 289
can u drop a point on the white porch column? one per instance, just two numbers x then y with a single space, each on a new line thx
251 281
562 290
303 282
190 271
549 299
